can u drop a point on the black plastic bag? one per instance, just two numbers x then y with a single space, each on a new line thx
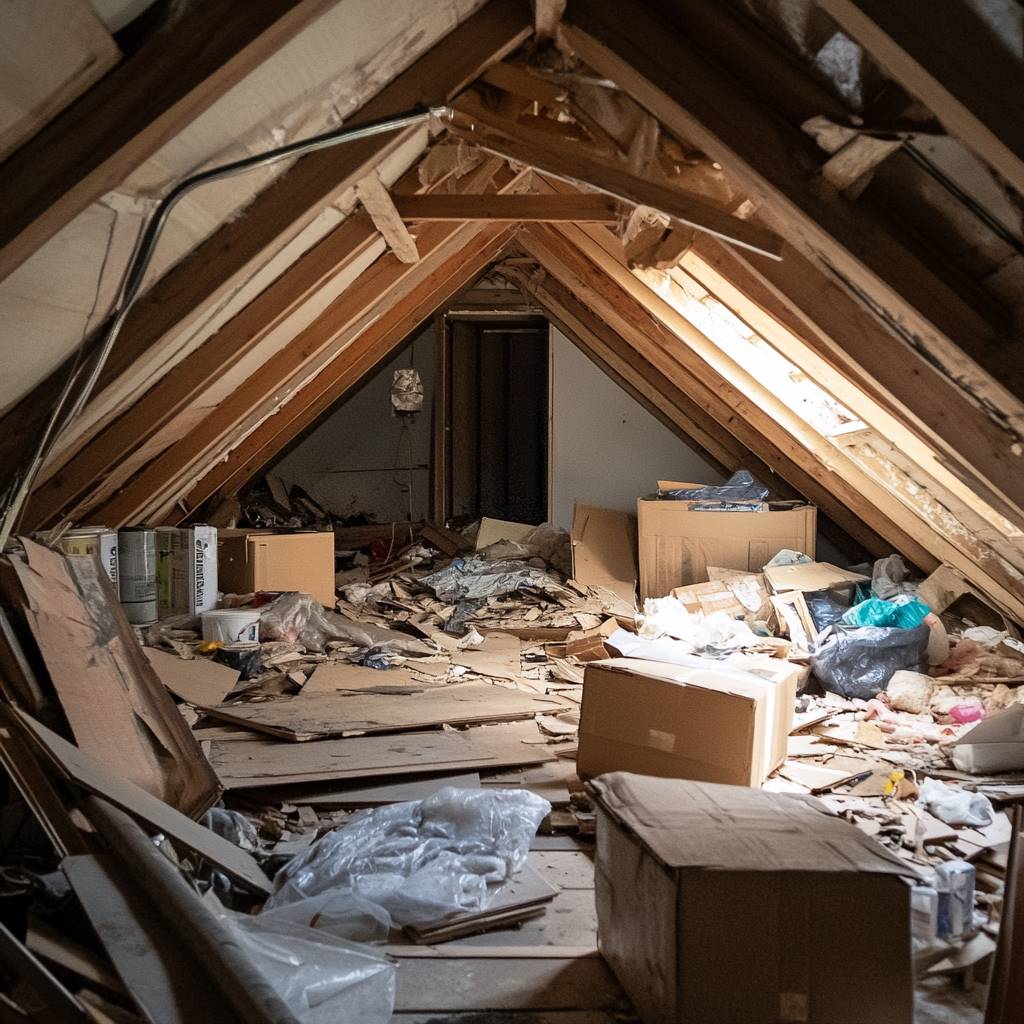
859 661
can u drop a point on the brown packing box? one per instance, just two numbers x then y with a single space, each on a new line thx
604 550
262 560
721 905
676 545
717 724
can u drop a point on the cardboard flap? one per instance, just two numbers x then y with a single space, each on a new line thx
604 550
810 577
732 828
708 676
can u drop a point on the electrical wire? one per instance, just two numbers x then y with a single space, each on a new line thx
75 393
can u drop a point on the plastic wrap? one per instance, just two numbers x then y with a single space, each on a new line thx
889 578
233 826
955 806
859 662
477 579
320 978
338 912
741 487
901 613
300 618
824 609
422 860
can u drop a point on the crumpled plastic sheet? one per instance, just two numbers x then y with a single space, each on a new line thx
787 556
902 612
233 826
338 912
741 486
477 579
300 618
955 806
859 662
320 978
423 860
668 617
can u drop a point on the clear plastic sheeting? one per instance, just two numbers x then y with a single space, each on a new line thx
716 632
233 826
421 861
955 806
300 618
338 912
742 486
858 663
320 978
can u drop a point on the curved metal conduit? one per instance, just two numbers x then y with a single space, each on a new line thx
70 403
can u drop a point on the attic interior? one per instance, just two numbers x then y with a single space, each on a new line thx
512 511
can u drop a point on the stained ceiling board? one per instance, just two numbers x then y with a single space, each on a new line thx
161 817
321 716
261 763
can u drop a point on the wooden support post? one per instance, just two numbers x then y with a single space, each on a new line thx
380 206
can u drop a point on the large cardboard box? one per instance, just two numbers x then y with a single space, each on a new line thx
721 905
677 545
262 560
713 723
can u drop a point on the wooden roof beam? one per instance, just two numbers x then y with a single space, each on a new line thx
662 70
952 63
217 266
578 162
316 398
380 206
579 208
98 141
382 283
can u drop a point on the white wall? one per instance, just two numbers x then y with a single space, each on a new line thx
348 463
606 448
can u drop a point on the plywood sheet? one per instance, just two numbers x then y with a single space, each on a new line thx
261 763
320 716
498 656
195 680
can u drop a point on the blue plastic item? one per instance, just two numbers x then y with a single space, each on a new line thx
896 614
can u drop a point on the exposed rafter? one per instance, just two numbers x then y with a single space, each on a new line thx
573 209
92 146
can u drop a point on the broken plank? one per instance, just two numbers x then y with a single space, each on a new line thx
261 763
380 206
323 715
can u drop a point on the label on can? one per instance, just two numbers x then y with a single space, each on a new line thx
136 561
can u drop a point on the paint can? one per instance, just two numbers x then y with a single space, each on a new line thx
232 625
97 541
136 562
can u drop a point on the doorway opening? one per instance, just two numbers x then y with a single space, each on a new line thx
491 426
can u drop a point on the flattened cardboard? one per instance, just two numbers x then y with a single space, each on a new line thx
719 903
250 560
995 744
604 550
493 530
677 545
710 723
118 710
810 577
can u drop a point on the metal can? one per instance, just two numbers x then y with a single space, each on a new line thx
136 557
97 541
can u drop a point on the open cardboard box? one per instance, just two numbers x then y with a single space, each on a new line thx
994 745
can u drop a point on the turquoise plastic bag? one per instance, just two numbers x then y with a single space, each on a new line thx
898 614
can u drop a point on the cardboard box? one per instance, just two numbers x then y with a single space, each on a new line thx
262 560
994 745
677 545
604 550
720 905
811 577
713 722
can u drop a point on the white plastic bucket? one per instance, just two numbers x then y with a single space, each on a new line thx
231 625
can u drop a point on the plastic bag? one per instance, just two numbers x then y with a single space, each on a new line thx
888 578
901 613
955 806
320 978
824 609
338 912
859 662
741 486
233 826
421 860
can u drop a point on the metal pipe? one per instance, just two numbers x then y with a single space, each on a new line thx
131 283
213 942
